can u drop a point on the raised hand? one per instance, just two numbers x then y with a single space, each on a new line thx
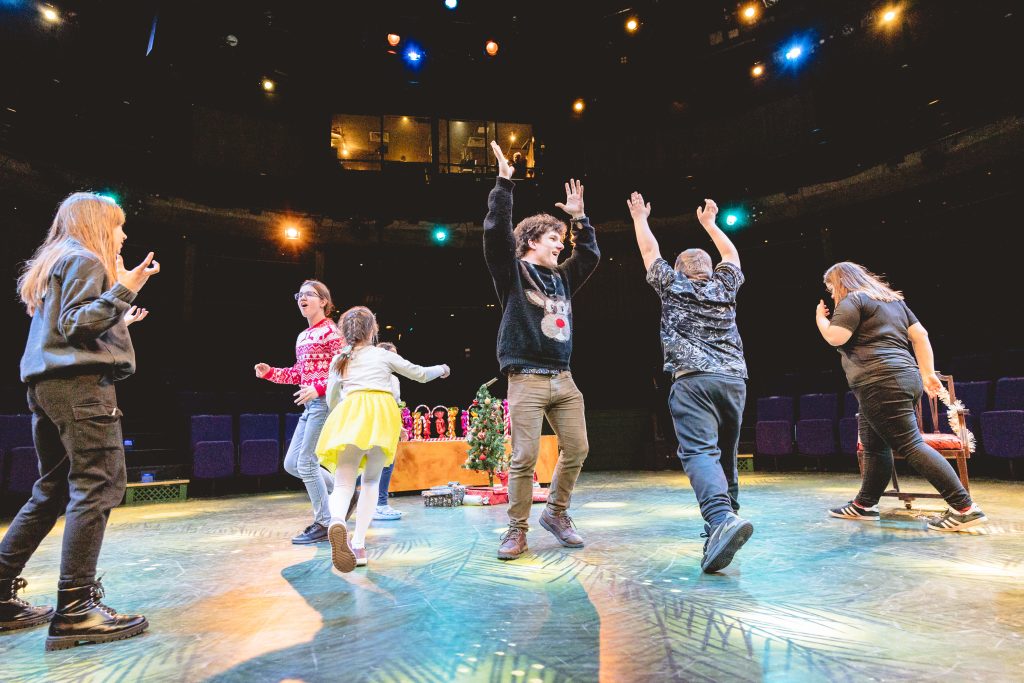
637 208
134 315
573 199
707 213
262 369
447 371
137 277
304 395
504 170
822 310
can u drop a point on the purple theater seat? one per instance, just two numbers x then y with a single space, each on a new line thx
848 435
213 460
816 437
774 408
23 471
291 421
15 431
253 426
774 437
259 457
211 428
1003 427
819 407
850 405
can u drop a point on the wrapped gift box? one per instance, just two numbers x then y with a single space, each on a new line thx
439 498
493 495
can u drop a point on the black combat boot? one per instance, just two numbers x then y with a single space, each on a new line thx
81 618
15 613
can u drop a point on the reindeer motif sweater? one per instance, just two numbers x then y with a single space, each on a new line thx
314 349
536 302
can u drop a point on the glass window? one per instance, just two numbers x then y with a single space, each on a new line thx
358 141
469 146
408 139
517 138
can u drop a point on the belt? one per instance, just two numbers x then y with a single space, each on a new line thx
536 371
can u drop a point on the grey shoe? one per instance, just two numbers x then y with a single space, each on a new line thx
314 533
723 542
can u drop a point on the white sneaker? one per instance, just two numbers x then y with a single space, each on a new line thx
386 512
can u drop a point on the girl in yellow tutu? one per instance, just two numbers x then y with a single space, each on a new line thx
362 431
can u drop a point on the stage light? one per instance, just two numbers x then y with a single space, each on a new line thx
269 85
750 13
491 48
394 39
413 55
440 235
794 53
110 197
579 105
512 137
49 14
291 232
731 219
889 15
451 4
632 25
757 71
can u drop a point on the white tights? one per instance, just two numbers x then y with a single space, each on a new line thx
345 486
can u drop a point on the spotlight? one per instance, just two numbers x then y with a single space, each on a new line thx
730 219
889 16
579 105
413 55
749 13
794 53
632 25
269 85
49 14
757 71
440 235
291 232
394 39
512 137
451 4
735 217
491 48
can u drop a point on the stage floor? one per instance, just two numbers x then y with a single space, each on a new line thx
809 598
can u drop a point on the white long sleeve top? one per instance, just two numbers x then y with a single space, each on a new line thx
372 368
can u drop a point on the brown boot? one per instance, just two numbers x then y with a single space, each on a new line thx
561 526
513 544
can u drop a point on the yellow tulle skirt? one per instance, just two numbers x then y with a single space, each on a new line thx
365 419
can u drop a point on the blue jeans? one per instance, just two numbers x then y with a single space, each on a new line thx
385 481
301 460
887 422
707 410
76 428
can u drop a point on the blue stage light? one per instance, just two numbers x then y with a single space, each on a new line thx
440 235
451 4
794 53
413 55
731 219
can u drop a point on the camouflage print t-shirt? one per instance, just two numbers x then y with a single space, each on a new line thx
698 320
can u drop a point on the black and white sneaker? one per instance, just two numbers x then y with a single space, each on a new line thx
951 520
723 541
851 511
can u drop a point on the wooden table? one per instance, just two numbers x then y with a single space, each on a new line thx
422 464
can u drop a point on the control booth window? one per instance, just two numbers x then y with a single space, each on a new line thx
466 148
358 141
408 139
517 138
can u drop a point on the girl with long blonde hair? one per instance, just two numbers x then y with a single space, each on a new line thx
80 296
889 364
363 429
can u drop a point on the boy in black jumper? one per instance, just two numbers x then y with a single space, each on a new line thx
534 346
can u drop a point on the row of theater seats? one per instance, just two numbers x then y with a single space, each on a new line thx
262 439
19 465
820 425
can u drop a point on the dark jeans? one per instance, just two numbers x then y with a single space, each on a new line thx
707 410
888 423
385 481
76 426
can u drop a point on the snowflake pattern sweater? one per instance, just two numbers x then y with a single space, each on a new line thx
314 349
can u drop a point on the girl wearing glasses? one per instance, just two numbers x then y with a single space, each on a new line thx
314 348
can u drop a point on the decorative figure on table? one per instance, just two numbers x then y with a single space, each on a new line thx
440 414
453 412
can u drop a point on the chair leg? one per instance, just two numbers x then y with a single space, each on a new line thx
961 466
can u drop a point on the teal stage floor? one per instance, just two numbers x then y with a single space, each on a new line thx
810 598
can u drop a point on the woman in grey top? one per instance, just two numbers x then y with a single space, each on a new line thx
874 331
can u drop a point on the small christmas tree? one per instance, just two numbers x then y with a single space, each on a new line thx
486 435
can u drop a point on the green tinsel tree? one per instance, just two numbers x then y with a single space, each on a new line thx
486 434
